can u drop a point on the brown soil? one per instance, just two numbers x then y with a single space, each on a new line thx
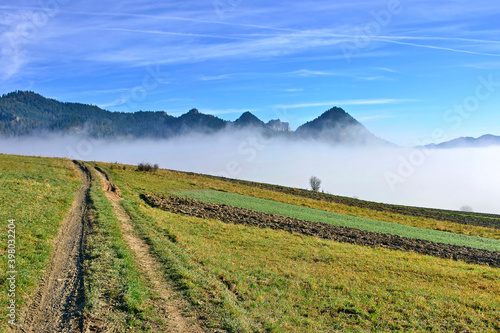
59 301
469 218
230 214
112 192
170 305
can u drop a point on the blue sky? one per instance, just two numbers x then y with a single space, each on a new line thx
410 71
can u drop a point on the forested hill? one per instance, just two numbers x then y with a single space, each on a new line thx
25 112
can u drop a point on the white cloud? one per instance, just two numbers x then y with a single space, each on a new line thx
13 37
394 40
173 33
385 69
375 78
484 65
216 77
307 72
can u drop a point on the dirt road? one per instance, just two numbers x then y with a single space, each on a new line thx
59 301
170 305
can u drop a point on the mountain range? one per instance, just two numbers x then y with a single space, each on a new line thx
467 142
25 113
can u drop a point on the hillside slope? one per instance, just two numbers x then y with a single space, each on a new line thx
151 269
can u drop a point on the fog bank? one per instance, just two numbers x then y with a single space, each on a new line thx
447 179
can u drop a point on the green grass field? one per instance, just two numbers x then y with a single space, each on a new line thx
251 280
168 182
310 214
37 193
288 283
239 278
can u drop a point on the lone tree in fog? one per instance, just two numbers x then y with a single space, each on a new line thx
315 183
466 208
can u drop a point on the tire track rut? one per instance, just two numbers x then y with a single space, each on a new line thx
58 303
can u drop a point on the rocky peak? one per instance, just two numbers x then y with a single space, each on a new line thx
248 119
279 126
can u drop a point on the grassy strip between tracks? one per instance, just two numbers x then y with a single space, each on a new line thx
118 298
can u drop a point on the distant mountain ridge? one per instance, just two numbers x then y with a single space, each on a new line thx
486 140
24 112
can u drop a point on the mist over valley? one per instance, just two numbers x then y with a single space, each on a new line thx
335 147
448 179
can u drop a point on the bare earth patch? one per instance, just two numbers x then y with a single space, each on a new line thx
235 215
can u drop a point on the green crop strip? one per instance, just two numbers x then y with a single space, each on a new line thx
310 214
